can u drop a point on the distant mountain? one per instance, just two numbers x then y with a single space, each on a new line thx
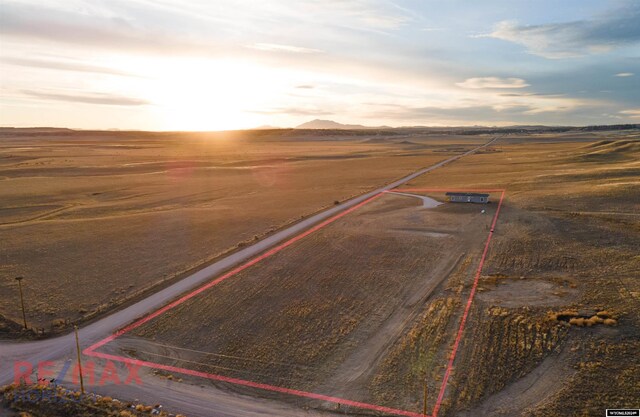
35 129
330 124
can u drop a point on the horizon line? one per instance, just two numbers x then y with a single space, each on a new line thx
363 128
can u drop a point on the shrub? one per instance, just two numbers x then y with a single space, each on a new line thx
58 322
577 321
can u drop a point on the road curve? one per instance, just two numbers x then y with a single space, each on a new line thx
61 348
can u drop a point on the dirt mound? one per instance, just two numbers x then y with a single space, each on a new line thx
56 401
632 146
611 151
597 144
376 140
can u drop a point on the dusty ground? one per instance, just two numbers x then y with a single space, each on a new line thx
565 251
91 219
568 241
554 328
322 314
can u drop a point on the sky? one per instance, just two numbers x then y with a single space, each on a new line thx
235 64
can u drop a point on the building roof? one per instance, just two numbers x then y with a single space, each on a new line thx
468 194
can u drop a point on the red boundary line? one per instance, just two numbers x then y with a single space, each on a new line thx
463 321
226 275
90 351
252 384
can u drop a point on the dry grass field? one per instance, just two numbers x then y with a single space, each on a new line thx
323 314
367 307
555 328
93 219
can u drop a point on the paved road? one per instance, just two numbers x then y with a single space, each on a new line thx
61 348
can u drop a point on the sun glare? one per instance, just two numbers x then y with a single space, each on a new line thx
208 95
190 94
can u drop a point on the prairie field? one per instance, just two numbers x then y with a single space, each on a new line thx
368 307
94 219
555 324
322 314
320 208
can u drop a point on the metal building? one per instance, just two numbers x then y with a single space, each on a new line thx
468 198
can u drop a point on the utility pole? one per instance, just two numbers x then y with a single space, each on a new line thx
424 404
24 315
79 360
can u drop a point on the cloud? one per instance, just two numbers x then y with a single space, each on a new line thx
604 33
485 111
531 95
351 51
328 36
273 47
430 114
493 82
373 14
624 74
633 113
95 98
181 27
65 66
116 30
